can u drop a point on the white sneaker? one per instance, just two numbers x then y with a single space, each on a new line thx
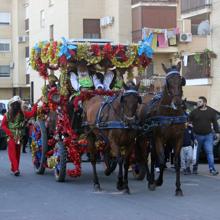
157 169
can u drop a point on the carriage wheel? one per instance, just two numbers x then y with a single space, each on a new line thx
40 147
60 168
139 171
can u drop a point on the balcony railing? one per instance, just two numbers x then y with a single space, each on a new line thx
197 68
153 1
193 5
27 24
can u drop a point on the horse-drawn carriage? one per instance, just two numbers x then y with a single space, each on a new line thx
55 141
113 123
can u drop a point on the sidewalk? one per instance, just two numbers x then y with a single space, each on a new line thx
203 170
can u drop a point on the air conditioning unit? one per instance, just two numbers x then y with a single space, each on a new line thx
11 65
23 39
186 37
208 2
105 21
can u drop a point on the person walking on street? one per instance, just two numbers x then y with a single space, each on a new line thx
203 118
187 150
13 125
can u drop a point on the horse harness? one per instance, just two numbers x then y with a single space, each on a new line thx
115 124
152 122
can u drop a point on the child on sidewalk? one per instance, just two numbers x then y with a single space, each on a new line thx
187 150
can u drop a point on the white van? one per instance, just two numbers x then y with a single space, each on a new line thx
4 105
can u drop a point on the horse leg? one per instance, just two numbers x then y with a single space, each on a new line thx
151 177
120 185
111 162
161 158
92 150
177 164
126 166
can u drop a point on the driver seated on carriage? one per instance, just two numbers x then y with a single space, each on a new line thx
83 79
112 79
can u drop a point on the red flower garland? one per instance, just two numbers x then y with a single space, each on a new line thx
85 95
95 49
144 61
107 51
42 68
119 52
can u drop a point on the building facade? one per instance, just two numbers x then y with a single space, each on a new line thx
73 19
198 21
160 18
14 50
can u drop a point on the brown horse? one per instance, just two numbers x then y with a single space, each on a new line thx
164 120
114 122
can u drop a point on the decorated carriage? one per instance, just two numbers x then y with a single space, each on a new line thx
55 142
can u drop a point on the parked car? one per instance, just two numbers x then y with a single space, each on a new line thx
190 105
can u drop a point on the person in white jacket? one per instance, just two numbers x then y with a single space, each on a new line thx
83 79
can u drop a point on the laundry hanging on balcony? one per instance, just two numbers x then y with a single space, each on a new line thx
163 38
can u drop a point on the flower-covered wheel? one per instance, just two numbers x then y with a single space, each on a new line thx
39 146
61 160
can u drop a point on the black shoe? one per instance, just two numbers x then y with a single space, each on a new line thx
195 169
213 172
188 170
17 173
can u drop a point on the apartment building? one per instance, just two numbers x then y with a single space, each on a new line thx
14 50
200 49
160 18
74 19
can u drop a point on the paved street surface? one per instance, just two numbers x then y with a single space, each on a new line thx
35 197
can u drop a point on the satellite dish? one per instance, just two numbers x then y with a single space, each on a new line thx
204 28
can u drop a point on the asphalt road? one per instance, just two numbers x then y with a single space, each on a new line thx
35 197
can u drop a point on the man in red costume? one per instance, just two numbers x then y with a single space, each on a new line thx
13 125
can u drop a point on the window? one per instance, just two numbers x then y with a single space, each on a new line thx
4 71
26 24
5 45
42 18
91 28
198 66
27 78
51 32
26 52
51 2
5 18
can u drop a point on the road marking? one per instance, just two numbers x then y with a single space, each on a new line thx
109 192
7 211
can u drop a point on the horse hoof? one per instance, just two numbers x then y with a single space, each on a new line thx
120 187
159 183
179 193
107 172
97 188
151 187
126 191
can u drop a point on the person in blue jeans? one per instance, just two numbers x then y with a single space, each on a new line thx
203 118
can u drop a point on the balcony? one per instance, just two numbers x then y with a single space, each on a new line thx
133 2
198 70
189 6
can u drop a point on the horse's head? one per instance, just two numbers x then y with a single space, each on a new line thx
174 84
129 101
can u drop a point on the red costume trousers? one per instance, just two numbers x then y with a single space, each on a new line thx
14 154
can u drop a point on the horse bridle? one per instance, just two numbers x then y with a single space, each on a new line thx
168 75
127 93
